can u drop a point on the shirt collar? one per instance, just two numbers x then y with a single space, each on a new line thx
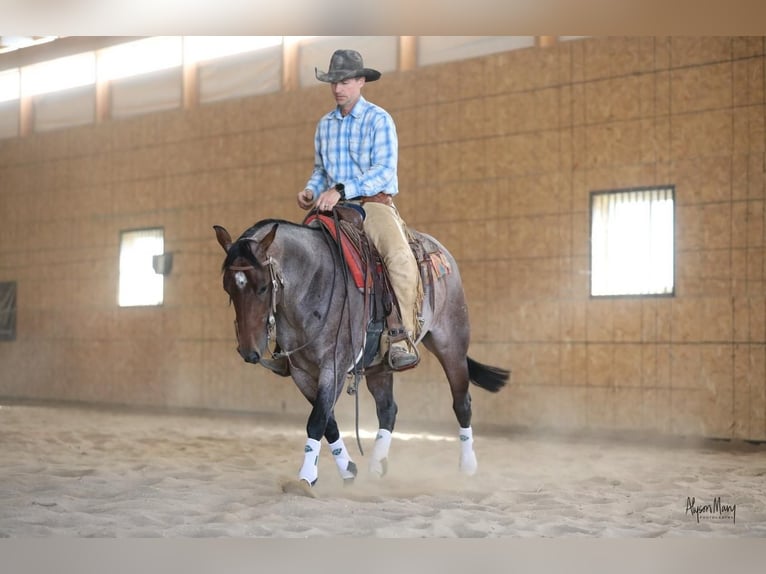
356 111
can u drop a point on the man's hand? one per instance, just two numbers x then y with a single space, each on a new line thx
305 199
328 199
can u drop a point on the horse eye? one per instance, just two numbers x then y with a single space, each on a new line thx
262 289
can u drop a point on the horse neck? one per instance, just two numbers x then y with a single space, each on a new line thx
308 266
299 256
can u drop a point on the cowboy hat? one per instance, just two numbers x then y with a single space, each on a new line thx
344 65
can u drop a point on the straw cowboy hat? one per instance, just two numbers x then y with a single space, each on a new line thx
344 65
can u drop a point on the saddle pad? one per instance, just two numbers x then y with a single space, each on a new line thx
439 264
350 252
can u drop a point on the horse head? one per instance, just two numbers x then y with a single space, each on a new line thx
248 279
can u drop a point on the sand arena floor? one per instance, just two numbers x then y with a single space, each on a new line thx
89 472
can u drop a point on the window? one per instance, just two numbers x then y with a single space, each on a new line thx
139 283
632 248
8 311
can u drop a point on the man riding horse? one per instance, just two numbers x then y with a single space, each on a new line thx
288 284
355 160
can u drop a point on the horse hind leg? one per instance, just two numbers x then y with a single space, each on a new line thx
453 359
381 386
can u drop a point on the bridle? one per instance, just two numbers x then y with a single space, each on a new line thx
277 285
274 274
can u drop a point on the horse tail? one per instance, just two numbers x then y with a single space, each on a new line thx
487 377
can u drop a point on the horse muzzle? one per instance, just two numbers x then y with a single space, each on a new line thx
251 356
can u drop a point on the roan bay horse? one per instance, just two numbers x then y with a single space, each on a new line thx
288 283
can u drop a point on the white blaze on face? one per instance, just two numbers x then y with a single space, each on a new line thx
240 279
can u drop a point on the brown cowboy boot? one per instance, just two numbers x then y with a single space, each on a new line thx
400 357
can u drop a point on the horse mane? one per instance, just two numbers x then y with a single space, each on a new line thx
241 247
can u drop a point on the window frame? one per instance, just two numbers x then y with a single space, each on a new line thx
8 310
673 277
123 234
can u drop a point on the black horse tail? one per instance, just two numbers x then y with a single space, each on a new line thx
488 378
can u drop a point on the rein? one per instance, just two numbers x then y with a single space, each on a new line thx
353 388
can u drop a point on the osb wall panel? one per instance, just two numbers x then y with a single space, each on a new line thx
498 156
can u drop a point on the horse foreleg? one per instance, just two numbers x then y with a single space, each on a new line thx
381 386
321 423
321 394
346 466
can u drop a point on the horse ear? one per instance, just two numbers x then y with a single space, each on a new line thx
265 243
223 237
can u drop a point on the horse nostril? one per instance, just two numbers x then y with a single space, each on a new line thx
251 356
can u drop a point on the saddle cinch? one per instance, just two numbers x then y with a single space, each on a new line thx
344 227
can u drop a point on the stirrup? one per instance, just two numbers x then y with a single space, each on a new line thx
409 362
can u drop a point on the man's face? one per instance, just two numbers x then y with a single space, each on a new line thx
347 92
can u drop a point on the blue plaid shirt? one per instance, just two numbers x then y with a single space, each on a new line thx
359 150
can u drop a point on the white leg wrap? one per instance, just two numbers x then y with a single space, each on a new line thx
342 459
380 452
308 471
468 463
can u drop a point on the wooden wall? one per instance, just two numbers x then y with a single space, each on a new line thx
498 156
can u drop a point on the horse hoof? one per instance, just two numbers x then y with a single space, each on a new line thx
469 465
349 474
379 467
301 487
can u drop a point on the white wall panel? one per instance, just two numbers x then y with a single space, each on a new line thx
153 92
9 119
63 109
240 75
437 49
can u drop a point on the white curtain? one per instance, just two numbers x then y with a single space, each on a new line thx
438 49
65 108
240 75
150 92
9 119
